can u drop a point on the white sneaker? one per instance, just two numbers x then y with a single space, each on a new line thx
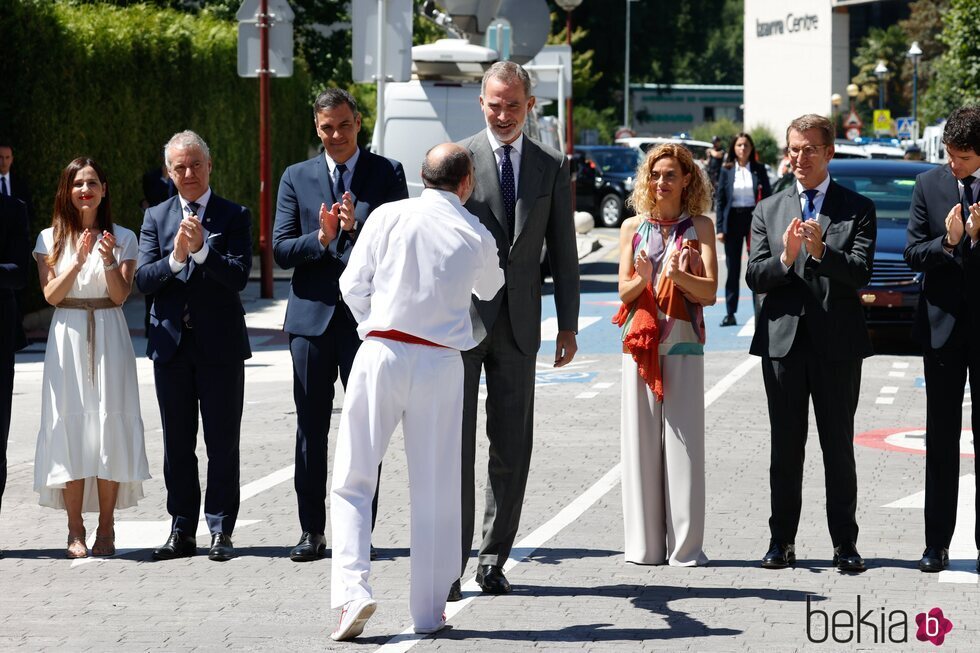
432 629
353 616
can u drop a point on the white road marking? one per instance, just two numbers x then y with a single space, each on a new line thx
748 330
885 400
889 390
962 548
900 365
586 395
897 375
549 327
602 386
524 549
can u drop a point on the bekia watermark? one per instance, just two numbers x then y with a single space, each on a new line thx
873 625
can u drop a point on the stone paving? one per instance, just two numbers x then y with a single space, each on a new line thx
572 593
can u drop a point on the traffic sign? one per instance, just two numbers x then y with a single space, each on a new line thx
624 132
853 133
854 120
280 39
883 121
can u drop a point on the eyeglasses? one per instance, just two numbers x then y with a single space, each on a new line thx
804 152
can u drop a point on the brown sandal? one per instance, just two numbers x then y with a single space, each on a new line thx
76 547
105 545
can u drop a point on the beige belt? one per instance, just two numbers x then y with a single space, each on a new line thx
89 306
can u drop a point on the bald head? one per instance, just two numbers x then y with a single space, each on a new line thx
447 166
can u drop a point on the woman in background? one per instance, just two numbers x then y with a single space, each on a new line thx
742 184
667 271
90 453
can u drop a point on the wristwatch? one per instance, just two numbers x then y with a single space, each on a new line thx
111 266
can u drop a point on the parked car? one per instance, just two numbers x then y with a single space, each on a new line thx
891 297
643 143
603 181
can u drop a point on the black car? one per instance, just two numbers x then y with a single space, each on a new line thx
603 181
891 297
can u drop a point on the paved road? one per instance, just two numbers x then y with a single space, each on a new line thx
572 589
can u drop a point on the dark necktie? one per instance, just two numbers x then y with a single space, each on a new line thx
968 198
191 209
339 188
508 190
3 186
811 209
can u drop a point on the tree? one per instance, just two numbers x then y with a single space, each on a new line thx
923 26
957 70
888 45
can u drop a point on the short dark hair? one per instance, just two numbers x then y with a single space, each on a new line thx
962 129
446 171
333 98
813 121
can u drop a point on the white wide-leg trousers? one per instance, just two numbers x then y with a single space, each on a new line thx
421 387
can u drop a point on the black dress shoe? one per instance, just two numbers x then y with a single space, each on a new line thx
492 580
221 548
455 592
177 545
729 320
312 546
935 559
847 558
373 554
779 556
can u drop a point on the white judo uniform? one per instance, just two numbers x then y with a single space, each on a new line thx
413 270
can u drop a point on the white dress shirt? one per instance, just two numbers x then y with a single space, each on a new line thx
515 157
743 192
415 266
348 175
201 254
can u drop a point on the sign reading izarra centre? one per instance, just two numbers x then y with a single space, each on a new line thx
792 23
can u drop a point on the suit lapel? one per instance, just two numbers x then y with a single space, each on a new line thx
323 176
361 172
791 209
531 168
174 216
485 164
828 209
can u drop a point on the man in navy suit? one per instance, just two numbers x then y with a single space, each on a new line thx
944 244
322 204
195 255
13 184
14 259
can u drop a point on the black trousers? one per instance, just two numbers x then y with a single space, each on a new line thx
6 398
736 236
833 386
184 385
946 372
317 360
510 422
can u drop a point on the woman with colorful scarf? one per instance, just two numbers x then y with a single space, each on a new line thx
667 271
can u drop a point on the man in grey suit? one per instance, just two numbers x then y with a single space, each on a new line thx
811 334
523 197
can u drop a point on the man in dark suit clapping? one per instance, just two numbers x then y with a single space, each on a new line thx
14 261
195 256
943 237
523 198
322 204
812 249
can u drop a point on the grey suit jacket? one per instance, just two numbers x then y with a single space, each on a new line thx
543 215
823 295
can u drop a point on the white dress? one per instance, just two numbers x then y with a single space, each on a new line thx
90 428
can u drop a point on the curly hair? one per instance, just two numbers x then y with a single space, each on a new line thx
65 219
695 199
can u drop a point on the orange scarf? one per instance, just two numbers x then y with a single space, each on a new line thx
643 339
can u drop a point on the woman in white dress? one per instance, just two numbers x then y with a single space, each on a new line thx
90 451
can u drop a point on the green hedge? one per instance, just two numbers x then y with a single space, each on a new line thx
115 83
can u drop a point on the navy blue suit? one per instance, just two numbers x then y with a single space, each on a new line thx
200 362
736 224
322 333
14 262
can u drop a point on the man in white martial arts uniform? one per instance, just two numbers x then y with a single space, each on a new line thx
408 284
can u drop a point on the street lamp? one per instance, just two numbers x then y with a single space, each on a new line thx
626 82
568 6
835 102
914 53
880 71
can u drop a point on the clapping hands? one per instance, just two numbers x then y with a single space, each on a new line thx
106 248
83 247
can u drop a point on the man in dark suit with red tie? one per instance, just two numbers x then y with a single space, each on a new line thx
195 255
943 237
14 261
811 335
322 204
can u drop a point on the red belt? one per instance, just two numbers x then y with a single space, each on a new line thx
401 336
